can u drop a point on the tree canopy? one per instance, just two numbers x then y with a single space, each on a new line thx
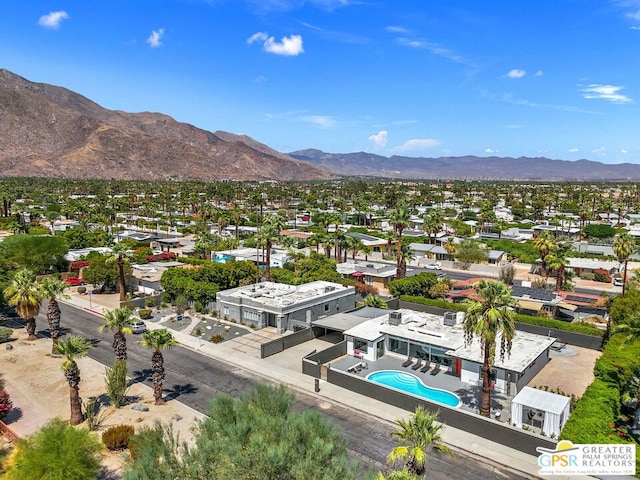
40 254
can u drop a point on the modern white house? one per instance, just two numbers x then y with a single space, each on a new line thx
286 307
425 337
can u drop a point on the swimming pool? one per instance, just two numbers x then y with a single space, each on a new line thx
409 383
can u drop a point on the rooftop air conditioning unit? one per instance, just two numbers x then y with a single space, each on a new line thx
450 319
395 318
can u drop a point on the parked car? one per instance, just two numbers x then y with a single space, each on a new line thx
138 327
434 266
74 281
617 281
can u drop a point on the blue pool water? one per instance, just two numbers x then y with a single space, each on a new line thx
411 384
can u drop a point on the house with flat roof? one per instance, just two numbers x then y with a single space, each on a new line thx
441 340
286 307
374 243
377 275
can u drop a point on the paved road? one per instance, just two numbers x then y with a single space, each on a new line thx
194 379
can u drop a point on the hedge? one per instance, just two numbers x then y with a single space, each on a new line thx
540 321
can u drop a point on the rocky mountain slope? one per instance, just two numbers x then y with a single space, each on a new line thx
49 131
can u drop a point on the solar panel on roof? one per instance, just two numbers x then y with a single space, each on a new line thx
578 298
533 293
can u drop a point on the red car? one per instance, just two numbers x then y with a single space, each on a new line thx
74 281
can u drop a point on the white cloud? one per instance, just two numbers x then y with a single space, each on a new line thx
600 152
288 46
379 139
539 73
396 29
286 5
491 150
605 92
53 19
516 73
623 151
574 150
433 48
155 38
260 79
635 28
323 121
417 144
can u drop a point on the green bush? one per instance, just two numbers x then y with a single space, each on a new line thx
416 285
217 338
145 313
5 334
117 438
433 302
56 451
149 302
82 290
587 276
618 361
116 383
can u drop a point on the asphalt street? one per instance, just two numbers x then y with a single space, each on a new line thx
194 379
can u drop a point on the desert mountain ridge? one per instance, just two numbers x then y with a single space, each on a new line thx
49 131
468 167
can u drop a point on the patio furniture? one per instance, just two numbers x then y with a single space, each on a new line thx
557 346
427 366
436 369
408 362
417 365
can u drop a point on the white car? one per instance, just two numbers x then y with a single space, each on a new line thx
138 327
434 266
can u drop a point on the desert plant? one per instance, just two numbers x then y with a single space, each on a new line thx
6 405
507 274
217 338
94 414
145 313
57 451
82 290
149 302
117 438
25 294
5 334
71 348
158 340
198 331
116 383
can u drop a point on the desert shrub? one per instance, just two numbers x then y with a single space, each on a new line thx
602 275
95 416
416 285
6 405
149 302
217 338
364 289
507 274
432 302
587 276
5 334
56 451
117 438
82 289
197 331
145 313
116 383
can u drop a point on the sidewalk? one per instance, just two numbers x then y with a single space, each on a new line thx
293 378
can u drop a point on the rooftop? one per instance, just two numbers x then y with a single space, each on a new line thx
271 294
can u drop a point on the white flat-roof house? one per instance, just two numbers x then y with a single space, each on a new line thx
441 340
285 307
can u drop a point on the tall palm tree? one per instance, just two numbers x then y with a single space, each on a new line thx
417 437
488 319
119 322
624 245
557 260
269 232
26 295
158 340
71 348
400 220
119 255
543 243
52 288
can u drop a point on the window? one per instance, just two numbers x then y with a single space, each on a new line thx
359 344
251 316
225 310
326 307
398 346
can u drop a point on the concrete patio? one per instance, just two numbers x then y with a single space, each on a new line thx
470 395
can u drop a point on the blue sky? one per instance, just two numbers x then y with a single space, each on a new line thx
555 78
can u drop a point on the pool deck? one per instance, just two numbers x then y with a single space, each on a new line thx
470 395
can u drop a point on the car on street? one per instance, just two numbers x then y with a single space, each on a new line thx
434 266
74 281
139 327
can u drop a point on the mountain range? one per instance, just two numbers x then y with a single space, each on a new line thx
468 167
49 131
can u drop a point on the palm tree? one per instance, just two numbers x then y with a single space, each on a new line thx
158 340
71 348
557 260
403 474
389 237
400 220
26 295
375 302
487 319
417 437
624 245
52 288
631 330
543 243
119 254
269 232
118 321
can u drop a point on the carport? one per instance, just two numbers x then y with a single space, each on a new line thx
341 322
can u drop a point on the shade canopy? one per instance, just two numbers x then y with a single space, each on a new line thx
555 408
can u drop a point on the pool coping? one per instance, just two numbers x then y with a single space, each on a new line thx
413 394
